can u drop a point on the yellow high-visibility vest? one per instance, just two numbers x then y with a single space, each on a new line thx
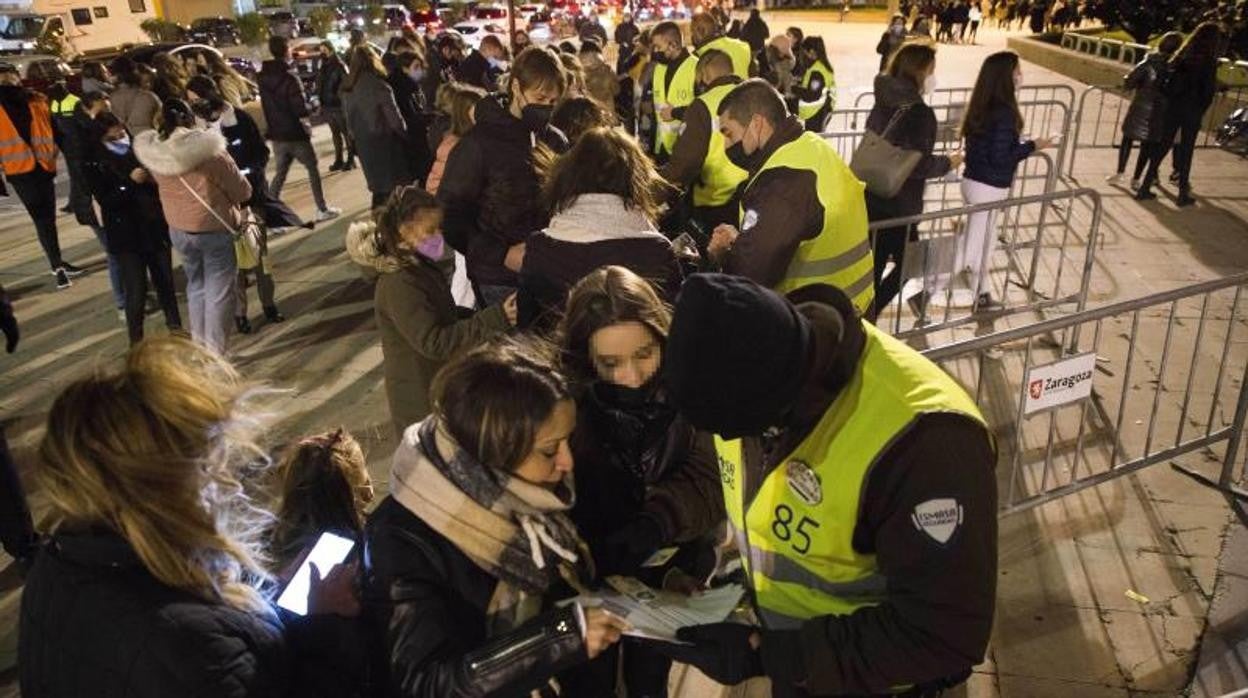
720 178
678 94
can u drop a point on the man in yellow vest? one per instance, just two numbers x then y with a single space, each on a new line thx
674 75
803 212
28 157
708 35
699 162
859 483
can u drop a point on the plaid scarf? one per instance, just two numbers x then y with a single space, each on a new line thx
515 530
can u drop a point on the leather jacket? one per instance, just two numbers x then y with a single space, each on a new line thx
425 603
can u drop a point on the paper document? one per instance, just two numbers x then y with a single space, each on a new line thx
658 614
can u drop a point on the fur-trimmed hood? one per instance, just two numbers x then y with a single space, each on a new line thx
361 245
184 150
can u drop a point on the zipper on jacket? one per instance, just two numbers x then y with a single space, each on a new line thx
547 635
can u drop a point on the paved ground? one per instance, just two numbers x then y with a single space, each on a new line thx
1065 623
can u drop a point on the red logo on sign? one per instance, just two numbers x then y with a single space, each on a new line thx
1036 388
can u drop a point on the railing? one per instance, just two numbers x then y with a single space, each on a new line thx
1072 399
1098 120
1113 49
1045 258
1047 110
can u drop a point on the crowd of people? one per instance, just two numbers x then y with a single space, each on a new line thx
572 264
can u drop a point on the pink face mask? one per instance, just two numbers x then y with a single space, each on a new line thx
432 248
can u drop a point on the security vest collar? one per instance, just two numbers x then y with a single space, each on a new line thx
784 134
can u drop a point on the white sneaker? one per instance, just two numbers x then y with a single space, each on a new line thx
327 213
1114 178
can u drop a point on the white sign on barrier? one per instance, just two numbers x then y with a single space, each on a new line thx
1059 383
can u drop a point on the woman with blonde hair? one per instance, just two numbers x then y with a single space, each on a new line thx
149 582
235 88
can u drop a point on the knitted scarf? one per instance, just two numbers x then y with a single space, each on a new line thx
516 531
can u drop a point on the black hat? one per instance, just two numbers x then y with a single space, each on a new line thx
736 356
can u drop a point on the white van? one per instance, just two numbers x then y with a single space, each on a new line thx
93 26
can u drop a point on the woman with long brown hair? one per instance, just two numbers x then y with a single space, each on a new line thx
375 123
1189 92
150 582
992 128
603 200
646 480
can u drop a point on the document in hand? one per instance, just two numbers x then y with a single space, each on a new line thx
657 615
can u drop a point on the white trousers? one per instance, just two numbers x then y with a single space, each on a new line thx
978 242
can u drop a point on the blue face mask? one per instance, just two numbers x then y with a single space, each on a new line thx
417 74
120 146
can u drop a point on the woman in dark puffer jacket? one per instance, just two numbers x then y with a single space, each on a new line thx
646 480
1146 117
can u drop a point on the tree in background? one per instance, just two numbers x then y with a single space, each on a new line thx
253 28
323 21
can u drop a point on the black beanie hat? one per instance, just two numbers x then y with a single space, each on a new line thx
736 356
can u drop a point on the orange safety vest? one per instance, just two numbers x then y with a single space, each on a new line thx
19 157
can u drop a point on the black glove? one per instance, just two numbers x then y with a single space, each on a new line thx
722 651
8 325
625 550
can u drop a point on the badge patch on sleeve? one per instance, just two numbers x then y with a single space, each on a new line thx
749 219
938 518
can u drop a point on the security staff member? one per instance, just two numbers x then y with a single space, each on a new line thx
803 212
698 160
708 35
673 78
816 95
858 479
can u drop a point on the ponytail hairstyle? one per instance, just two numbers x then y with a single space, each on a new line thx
175 113
157 452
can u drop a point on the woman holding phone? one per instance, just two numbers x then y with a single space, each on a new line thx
149 582
474 542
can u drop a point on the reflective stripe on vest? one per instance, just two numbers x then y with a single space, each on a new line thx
796 534
19 157
807 110
680 95
840 255
737 50
720 178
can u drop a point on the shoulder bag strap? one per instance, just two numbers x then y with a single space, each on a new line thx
901 111
211 210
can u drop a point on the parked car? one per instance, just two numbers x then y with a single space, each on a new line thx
40 71
427 22
216 31
526 12
497 13
474 30
396 17
282 23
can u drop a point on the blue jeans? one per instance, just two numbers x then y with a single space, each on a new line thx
211 267
114 269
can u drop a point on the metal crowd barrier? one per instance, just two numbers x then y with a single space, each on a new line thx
1037 174
1101 109
1046 110
1045 252
1090 397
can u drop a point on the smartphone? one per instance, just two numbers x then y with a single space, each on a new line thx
329 550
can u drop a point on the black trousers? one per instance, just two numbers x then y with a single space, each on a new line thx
1186 127
1141 161
37 191
135 268
340 135
889 243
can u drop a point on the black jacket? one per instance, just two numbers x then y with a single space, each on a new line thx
755 32
131 212
283 101
94 622
329 82
915 129
1146 117
414 108
490 191
939 599
476 70
425 603
643 468
993 154
246 146
78 135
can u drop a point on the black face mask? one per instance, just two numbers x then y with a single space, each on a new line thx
536 116
736 155
625 397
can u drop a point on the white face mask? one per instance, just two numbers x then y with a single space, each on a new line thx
929 84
